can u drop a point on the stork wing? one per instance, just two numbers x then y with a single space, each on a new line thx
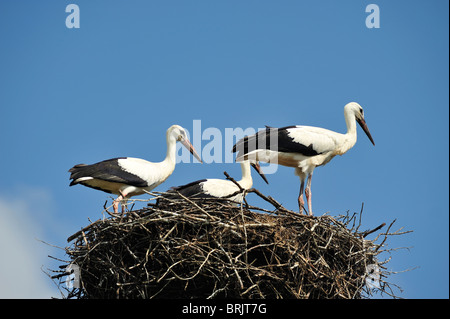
108 170
305 140
193 189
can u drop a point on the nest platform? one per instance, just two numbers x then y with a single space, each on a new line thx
209 248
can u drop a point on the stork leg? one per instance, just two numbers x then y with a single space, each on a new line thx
308 194
301 202
116 202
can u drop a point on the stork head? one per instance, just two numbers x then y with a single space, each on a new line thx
356 109
176 133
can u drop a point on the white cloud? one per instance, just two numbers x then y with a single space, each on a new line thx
22 255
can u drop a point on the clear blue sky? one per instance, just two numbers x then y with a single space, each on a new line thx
133 68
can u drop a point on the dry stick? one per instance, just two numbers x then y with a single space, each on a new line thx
106 210
217 291
272 201
251 190
236 183
241 190
368 232
194 204
78 233
188 278
85 240
232 264
360 217
246 245
385 236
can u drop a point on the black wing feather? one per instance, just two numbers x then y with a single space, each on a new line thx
263 140
193 189
108 170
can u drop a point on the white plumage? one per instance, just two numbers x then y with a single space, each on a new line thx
129 176
303 147
220 188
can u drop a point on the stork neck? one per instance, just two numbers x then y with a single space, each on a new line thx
350 120
350 137
171 152
246 181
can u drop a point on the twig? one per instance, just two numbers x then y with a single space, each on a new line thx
236 183
368 232
78 233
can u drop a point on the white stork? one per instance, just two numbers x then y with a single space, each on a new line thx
128 176
220 188
302 147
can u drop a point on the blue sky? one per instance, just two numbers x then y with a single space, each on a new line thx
133 68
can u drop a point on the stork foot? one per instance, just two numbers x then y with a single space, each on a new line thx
116 203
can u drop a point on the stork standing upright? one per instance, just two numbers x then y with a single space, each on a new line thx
220 188
129 176
302 147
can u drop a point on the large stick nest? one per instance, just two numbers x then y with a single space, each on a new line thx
209 248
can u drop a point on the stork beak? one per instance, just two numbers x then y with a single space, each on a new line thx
191 149
363 125
258 169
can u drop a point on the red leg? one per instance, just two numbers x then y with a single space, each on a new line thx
116 202
308 194
301 202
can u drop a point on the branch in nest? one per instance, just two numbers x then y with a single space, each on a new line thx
241 190
368 232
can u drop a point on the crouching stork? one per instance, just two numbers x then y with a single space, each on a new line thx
219 188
